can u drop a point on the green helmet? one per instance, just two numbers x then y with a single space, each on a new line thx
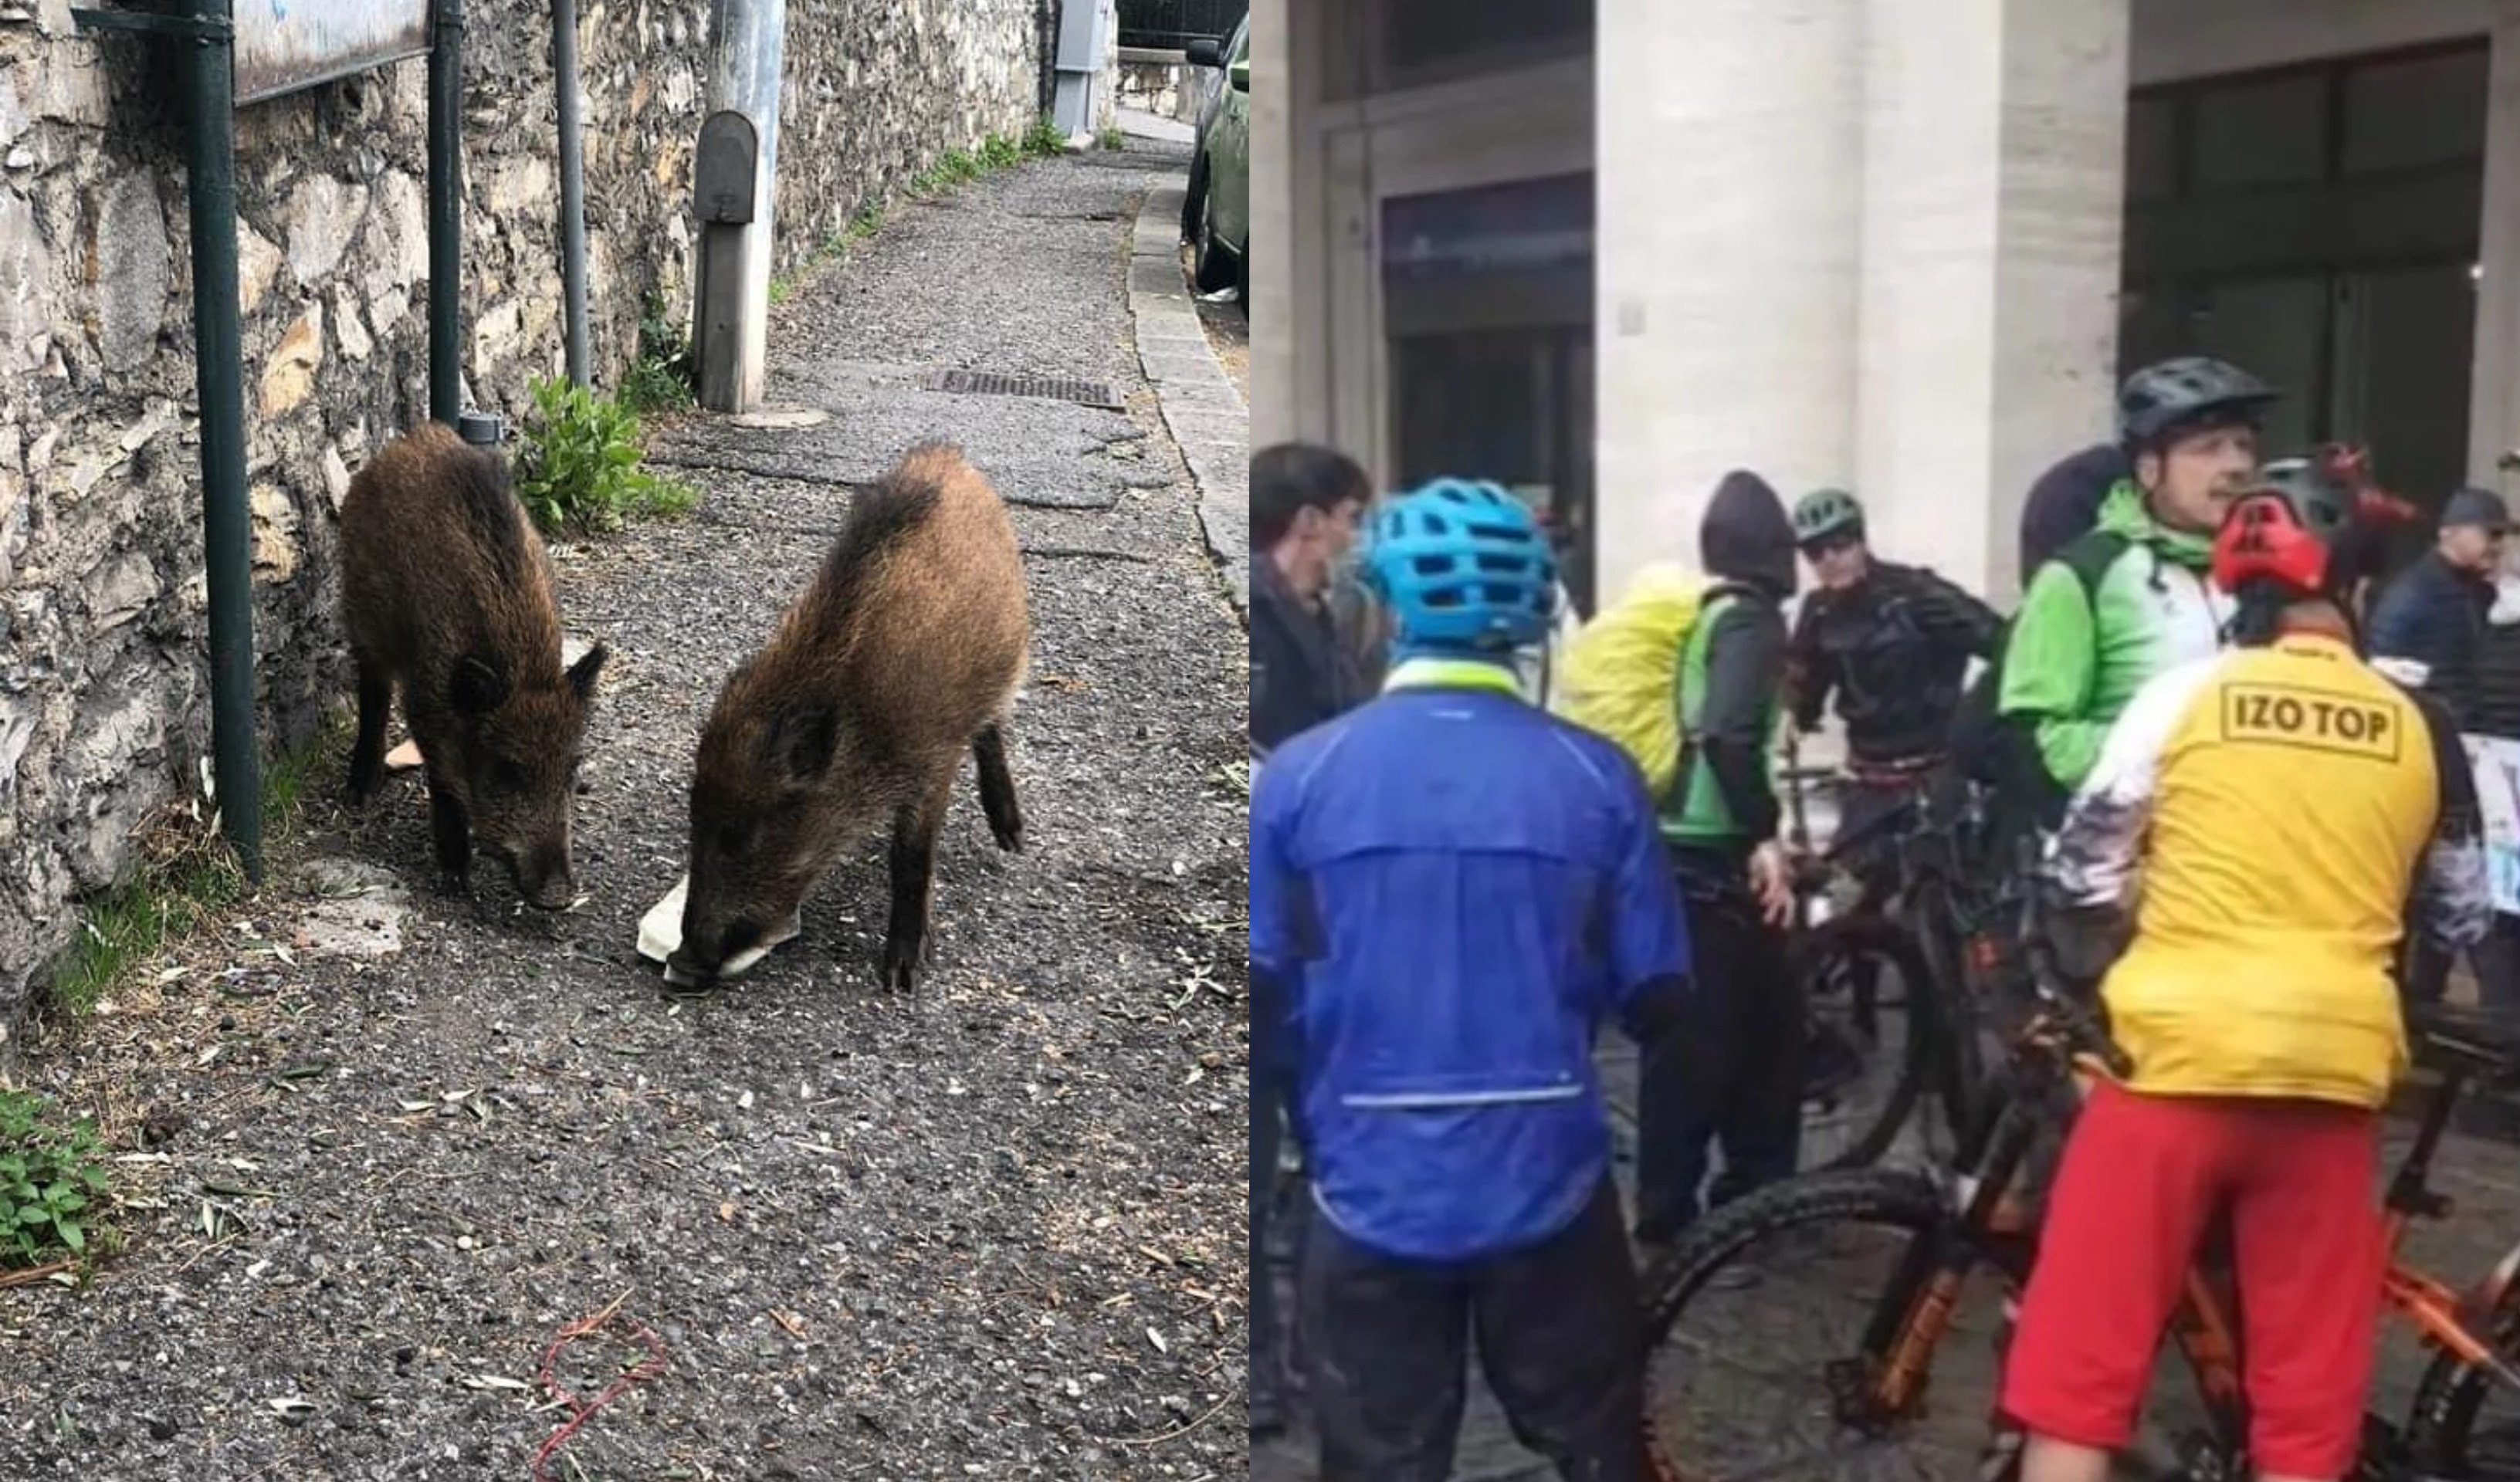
1824 513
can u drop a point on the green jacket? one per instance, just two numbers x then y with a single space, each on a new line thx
1730 672
2112 609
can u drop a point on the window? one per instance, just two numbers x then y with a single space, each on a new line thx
2408 115
2152 148
2262 132
1423 41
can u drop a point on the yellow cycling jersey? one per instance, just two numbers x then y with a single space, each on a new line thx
2273 806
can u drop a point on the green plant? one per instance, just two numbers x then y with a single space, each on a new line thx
48 1176
1112 138
662 378
184 878
580 469
1043 138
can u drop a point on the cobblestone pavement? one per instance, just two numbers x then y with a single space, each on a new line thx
1749 1392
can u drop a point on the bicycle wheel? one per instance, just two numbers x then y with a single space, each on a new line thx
1868 995
2463 1427
1733 1393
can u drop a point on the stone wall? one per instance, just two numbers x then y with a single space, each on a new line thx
103 714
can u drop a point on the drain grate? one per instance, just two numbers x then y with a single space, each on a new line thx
1092 394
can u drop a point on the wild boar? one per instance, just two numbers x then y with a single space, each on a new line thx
446 592
905 649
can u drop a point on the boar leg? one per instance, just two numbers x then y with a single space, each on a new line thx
452 833
368 750
998 787
915 828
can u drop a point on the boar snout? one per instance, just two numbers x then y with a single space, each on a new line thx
542 876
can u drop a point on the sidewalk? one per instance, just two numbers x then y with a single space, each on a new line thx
994 1228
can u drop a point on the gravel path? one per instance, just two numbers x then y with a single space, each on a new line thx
990 1229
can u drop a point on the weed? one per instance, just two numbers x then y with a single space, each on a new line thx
1112 138
48 1175
1043 138
662 378
579 470
184 878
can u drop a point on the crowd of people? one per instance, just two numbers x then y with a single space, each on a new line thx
1453 891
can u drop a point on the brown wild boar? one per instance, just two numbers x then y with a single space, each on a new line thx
446 592
905 650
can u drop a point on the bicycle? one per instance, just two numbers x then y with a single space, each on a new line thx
1950 1227
1924 924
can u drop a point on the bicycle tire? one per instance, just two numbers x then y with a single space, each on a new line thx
2440 1436
1884 941
1887 1199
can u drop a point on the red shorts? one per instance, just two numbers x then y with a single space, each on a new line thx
2141 1178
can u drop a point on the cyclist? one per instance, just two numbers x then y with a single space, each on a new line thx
2131 598
2254 999
1890 645
1450 889
1736 1078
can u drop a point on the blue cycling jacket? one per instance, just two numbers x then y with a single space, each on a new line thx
1455 889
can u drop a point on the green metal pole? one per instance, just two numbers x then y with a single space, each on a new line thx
226 524
446 212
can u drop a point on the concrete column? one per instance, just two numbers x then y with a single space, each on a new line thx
1729 179
2494 395
1994 202
1274 302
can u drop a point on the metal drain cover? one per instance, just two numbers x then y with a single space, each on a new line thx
1092 394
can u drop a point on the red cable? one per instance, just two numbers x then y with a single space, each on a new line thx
583 1410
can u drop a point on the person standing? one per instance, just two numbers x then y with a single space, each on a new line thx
2253 1002
1451 890
2132 597
1890 645
1734 1078
1306 502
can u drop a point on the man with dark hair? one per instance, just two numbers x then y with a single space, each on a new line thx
2426 631
1305 503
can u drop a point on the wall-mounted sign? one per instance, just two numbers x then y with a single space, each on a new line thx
286 46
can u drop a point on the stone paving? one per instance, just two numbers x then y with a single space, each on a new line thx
1732 1394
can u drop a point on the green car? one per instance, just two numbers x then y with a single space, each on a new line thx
1216 214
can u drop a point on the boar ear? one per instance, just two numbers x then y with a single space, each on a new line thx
478 688
803 742
581 674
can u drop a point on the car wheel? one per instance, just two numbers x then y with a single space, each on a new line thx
1195 198
1209 269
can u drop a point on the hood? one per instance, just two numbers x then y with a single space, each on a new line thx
2123 512
1747 536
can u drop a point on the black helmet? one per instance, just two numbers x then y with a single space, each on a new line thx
2193 388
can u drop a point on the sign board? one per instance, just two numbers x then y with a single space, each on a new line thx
2497 765
286 46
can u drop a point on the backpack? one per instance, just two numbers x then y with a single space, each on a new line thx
2002 751
1619 674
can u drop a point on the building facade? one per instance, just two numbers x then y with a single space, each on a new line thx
1606 250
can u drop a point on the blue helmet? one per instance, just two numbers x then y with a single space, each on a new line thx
1462 564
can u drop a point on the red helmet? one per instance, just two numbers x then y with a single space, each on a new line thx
2288 528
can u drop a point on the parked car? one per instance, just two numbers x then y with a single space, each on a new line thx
1216 213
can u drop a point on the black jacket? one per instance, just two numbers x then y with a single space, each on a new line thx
1301 673
2434 614
2497 712
1891 649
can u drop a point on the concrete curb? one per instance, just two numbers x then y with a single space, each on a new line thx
1205 413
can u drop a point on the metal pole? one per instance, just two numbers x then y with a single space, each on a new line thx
573 186
218 356
446 212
